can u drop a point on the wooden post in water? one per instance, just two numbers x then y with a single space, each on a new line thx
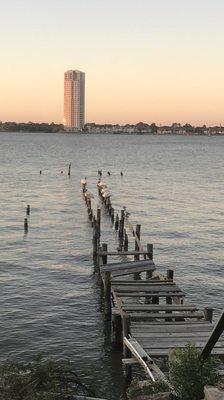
126 242
28 209
137 275
107 295
98 221
116 223
126 332
121 230
95 239
169 275
208 313
117 329
112 215
109 205
149 273
107 285
69 169
104 248
150 256
25 225
126 351
215 335
137 232
90 213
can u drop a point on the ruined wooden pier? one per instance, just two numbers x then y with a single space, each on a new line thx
150 313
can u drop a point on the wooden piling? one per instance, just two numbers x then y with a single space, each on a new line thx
107 294
28 209
138 233
104 257
25 225
170 274
98 220
95 238
125 242
69 169
208 313
121 228
150 256
117 329
90 213
112 215
126 332
107 285
116 223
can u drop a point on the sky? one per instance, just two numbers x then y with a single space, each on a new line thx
156 61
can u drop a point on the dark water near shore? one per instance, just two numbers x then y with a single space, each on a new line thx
50 298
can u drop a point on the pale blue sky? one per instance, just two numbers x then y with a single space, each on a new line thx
151 60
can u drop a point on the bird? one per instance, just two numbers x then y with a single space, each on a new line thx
121 173
108 173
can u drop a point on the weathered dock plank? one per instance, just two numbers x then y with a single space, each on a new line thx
158 307
148 288
161 335
148 316
141 282
122 253
130 264
171 327
119 269
151 294
165 352
169 343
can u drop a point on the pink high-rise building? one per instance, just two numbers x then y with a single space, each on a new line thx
74 100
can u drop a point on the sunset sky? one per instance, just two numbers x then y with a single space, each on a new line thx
145 60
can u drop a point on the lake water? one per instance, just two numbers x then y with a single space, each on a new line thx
50 298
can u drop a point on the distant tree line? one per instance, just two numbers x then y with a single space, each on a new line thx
30 127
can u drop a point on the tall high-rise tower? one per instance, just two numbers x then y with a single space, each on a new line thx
74 100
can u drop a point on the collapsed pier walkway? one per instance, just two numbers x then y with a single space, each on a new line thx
151 314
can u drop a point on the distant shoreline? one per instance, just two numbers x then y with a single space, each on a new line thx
116 133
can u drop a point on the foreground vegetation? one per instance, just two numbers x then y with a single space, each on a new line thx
42 379
46 379
187 377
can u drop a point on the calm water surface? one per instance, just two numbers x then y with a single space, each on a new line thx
50 298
